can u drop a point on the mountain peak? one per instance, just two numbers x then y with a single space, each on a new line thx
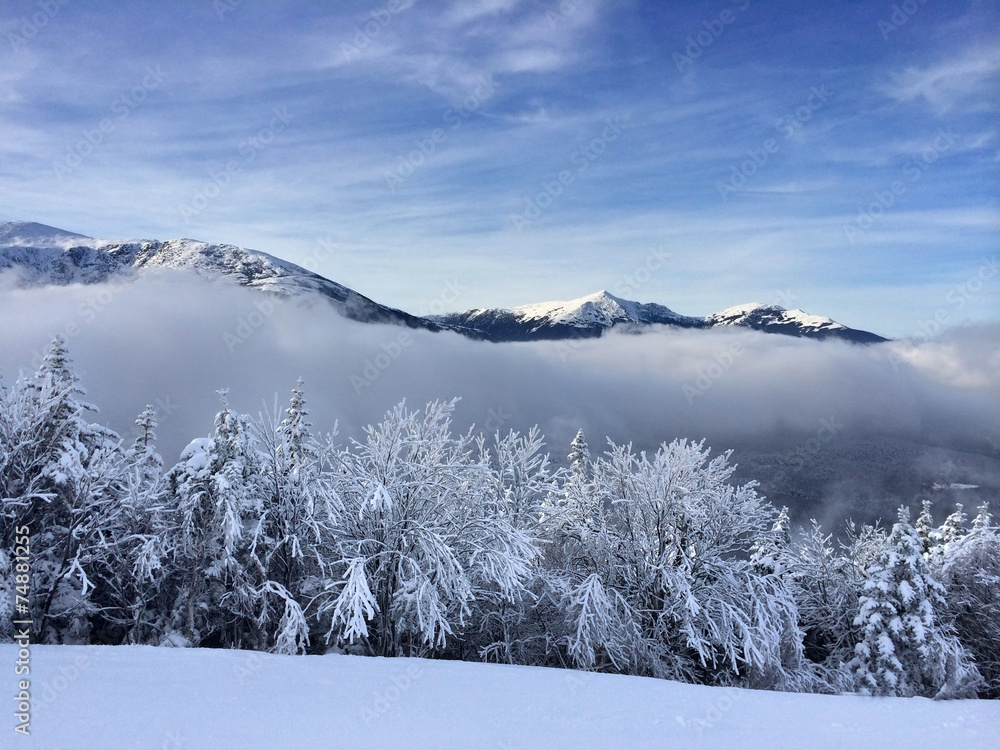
33 234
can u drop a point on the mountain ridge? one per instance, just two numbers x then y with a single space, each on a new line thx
42 255
589 316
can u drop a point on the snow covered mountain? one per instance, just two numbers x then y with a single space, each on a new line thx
46 256
585 317
776 319
590 316
41 255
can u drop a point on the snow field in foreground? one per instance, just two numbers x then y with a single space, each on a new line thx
133 697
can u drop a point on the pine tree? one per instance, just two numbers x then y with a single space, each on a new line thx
983 519
768 551
954 526
216 497
929 536
903 642
579 456
62 479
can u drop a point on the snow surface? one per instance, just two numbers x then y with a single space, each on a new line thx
32 234
772 314
601 307
598 309
143 697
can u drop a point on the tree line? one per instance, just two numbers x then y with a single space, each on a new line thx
414 540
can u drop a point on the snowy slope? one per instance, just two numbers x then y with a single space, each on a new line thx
590 316
776 319
43 256
32 234
144 697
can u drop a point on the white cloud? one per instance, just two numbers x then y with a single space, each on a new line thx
944 85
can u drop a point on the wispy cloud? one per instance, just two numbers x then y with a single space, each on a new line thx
973 75
367 84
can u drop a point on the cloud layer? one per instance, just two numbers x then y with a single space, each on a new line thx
172 340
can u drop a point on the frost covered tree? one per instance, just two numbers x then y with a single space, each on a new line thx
929 536
520 486
825 586
769 551
904 649
579 455
288 538
673 544
970 574
954 526
60 477
420 542
215 497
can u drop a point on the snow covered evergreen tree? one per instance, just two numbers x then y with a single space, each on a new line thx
579 455
288 538
971 577
954 526
905 650
215 499
60 477
825 587
769 551
929 536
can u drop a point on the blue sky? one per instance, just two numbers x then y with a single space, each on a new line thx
839 157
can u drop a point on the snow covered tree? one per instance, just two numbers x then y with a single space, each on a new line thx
904 649
954 526
971 576
519 487
420 542
287 541
768 551
215 498
983 519
929 536
579 455
673 545
825 587
60 477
